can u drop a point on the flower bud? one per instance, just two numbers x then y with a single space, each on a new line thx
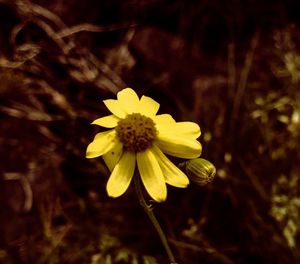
200 171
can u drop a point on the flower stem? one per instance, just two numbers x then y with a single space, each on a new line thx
149 211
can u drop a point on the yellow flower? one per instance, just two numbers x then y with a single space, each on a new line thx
139 136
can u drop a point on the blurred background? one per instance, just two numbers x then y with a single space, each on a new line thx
231 66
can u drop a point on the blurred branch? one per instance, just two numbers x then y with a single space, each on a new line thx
23 53
82 65
20 110
65 47
207 250
28 8
91 28
25 185
231 69
243 78
255 181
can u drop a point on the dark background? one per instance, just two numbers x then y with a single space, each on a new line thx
231 66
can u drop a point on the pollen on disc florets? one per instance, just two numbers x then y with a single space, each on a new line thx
137 132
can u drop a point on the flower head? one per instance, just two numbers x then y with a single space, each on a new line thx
200 171
139 136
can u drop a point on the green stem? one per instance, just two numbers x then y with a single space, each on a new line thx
149 211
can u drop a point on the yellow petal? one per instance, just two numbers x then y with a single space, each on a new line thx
112 157
102 143
179 146
128 100
148 106
163 119
173 175
115 107
151 175
110 121
121 176
189 129
186 129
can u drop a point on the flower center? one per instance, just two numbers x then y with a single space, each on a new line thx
137 132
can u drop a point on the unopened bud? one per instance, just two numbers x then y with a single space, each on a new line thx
200 171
